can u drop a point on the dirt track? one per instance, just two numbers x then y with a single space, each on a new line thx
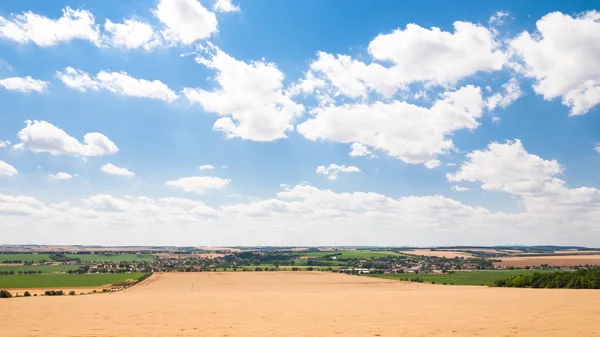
303 304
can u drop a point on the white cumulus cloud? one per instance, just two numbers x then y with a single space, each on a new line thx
6 169
409 132
199 184
185 21
43 31
561 57
118 83
512 92
131 34
432 163
206 167
333 170
459 188
23 84
225 6
508 167
60 176
4 143
43 137
359 150
115 170
417 55
250 98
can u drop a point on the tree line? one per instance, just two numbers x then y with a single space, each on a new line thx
20 272
579 279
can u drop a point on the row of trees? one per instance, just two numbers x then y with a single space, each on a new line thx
20 272
579 279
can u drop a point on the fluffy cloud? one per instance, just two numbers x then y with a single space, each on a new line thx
118 83
596 148
6 169
459 188
199 184
405 131
23 84
225 6
60 176
115 170
432 55
41 136
561 56
43 31
512 92
507 167
432 163
298 215
359 150
185 21
510 168
416 54
333 170
250 95
131 34
206 167
4 143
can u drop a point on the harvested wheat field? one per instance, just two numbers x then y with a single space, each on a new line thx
303 304
560 260
437 253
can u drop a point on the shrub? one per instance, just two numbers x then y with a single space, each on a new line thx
5 294
27 294
54 293
72 292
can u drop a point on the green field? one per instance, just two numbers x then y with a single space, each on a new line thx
43 269
25 257
350 254
64 280
112 257
473 278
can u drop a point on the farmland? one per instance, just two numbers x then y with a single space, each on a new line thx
112 257
349 254
557 260
24 257
64 280
281 303
43 269
438 253
474 278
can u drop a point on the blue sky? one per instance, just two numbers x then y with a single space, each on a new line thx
471 123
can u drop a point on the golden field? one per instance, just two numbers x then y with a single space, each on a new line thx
558 260
303 304
437 253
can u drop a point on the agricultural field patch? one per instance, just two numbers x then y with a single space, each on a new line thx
112 257
559 260
474 278
64 280
349 254
44 269
24 257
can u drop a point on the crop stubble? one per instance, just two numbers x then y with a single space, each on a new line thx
303 304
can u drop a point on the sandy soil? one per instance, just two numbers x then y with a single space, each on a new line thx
569 260
303 304
427 252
